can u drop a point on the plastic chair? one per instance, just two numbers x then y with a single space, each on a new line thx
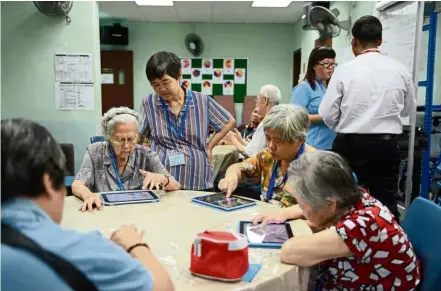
95 139
422 224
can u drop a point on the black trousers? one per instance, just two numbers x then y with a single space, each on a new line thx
375 159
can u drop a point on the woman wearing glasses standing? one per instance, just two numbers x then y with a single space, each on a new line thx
309 94
118 163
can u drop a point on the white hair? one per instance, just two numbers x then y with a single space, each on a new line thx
118 115
291 120
272 93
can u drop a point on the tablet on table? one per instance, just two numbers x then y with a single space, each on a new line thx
220 201
128 197
272 235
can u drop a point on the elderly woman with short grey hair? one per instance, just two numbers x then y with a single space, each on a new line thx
360 245
118 163
285 128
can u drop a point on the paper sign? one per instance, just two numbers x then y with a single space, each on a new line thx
228 66
239 76
186 83
207 87
207 67
107 78
218 76
196 76
228 87
186 66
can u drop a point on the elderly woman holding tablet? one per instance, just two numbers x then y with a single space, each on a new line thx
118 163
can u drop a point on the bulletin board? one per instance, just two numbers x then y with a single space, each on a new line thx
216 76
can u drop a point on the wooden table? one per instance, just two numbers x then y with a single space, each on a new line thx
170 227
223 156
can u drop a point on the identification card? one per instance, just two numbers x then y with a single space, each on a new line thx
176 159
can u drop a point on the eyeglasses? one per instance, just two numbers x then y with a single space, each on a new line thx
122 141
328 65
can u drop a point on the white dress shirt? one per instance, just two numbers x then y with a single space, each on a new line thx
257 142
368 95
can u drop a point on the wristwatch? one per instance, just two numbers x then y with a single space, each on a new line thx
168 181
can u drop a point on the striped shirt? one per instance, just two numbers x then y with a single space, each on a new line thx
203 114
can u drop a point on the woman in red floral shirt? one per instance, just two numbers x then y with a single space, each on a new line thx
361 246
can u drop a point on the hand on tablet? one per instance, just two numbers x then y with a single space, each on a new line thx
277 217
127 236
228 185
91 201
152 180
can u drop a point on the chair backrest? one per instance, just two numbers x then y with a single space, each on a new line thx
69 153
98 138
422 224
249 103
227 102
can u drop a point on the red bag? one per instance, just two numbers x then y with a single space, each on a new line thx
219 255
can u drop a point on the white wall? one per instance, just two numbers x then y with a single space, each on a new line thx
268 47
29 42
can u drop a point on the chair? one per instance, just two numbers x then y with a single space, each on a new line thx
227 102
249 103
95 139
422 224
69 153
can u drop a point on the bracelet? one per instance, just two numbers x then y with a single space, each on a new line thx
137 245
168 181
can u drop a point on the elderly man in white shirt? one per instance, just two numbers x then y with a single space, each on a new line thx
268 97
365 102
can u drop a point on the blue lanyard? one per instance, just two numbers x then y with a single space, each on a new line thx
244 135
322 86
183 117
274 174
115 167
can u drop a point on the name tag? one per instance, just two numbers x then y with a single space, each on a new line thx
176 159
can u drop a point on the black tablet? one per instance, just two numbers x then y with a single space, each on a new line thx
220 201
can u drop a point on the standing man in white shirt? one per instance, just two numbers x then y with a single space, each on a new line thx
365 102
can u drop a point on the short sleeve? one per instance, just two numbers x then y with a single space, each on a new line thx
301 94
218 116
153 163
257 142
251 169
144 128
87 171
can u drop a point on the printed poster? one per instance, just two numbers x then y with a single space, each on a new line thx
207 87
218 76
228 66
239 76
196 76
186 83
207 66
186 66
228 87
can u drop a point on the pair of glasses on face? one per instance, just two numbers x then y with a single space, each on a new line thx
123 141
328 65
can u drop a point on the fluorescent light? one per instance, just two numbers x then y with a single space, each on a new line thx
154 2
271 3
303 16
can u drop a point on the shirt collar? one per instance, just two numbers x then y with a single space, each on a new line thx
22 212
190 105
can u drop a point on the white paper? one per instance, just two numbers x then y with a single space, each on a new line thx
186 83
196 76
239 76
207 66
207 87
73 67
107 78
228 87
186 66
69 96
218 76
228 66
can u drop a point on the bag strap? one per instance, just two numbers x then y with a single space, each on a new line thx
68 272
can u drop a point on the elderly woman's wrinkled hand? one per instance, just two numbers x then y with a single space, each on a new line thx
152 180
277 217
90 201
228 185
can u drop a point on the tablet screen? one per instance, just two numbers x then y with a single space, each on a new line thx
130 196
271 233
220 199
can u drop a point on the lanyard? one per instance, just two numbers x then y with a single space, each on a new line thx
115 167
369 51
322 86
244 134
183 117
274 174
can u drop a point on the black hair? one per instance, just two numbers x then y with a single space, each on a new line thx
28 152
368 30
317 54
163 63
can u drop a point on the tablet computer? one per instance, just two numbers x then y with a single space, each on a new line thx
272 235
220 201
128 197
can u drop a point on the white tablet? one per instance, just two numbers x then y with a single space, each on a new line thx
128 197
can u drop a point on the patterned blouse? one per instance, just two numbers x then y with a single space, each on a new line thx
99 175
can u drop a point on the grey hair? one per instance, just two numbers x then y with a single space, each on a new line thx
272 93
118 115
320 176
291 120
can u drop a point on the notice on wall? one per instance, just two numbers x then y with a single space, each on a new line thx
74 84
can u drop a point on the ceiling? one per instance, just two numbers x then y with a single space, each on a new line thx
207 11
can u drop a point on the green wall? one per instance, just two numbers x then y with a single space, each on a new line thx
29 42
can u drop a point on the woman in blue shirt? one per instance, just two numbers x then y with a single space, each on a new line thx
309 94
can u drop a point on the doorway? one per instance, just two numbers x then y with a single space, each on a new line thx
116 79
297 60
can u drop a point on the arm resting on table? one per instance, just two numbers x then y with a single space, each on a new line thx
80 190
